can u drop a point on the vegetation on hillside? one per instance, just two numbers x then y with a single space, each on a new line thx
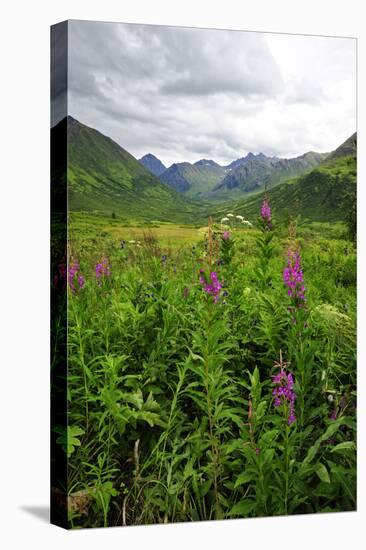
327 193
104 178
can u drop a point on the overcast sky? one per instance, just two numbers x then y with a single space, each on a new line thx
184 94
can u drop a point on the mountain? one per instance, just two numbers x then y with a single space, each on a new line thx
348 148
103 177
153 164
205 179
326 193
194 180
255 172
247 158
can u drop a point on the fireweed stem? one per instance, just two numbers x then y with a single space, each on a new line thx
214 447
287 429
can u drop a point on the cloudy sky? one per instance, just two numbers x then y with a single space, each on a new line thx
184 94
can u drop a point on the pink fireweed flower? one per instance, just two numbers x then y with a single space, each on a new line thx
74 276
284 394
211 285
226 235
294 279
266 211
81 281
102 270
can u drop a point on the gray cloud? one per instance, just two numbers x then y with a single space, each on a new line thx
185 93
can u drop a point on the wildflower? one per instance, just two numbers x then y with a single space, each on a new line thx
284 394
164 258
102 270
81 281
247 222
293 278
266 211
257 451
226 235
241 218
230 215
213 286
74 275
223 220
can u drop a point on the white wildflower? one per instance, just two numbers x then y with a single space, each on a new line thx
230 215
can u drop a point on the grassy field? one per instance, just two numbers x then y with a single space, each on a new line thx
86 226
198 387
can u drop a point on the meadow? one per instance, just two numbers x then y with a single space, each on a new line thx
211 370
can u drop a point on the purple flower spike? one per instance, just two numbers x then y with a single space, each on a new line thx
74 275
211 285
102 270
284 393
293 278
266 211
81 281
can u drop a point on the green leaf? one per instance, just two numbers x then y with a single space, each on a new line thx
242 508
326 435
346 445
69 439
322 473
245 477
135 398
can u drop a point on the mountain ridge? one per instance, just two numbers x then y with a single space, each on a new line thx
103 177
208 180
152 163
257 173
326 193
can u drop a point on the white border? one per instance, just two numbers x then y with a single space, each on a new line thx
24 271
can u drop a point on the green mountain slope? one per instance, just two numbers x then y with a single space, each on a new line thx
105 178
324 194
261 171
193 180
